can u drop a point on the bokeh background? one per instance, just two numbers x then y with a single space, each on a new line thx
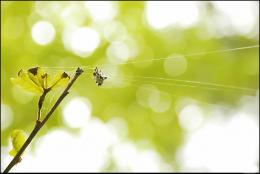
132 123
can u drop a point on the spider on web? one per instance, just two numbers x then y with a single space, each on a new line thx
98 77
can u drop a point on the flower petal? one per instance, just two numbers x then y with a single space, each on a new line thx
37 75
61 79
26 83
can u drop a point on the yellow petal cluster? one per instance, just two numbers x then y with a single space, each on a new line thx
36 81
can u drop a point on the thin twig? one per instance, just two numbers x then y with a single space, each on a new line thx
40 124
40 103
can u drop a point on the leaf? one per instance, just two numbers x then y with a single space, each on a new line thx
18 139
12 152
35 74
60 79
25 82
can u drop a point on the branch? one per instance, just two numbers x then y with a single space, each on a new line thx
40 102
40 124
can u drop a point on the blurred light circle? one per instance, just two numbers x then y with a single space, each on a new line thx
73 15
124 154
6 116
159 102
143 93
127 155
219 137
149 96
190 117
176 65
119 125
77 112
118 52
84 40
49 10
154 98
241 15
114 30
43 32
101 11
161 14
133 46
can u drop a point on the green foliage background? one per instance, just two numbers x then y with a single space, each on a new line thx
162 130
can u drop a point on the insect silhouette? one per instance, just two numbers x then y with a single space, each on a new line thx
98 77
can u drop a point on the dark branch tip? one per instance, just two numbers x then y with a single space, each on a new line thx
33 70
65 75
79 71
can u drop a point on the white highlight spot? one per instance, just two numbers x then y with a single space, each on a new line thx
161 14
92 148
241 14
223 145
101 11
81 41
84 40
128 156
118 52
6 116
43 32
77 113
190 117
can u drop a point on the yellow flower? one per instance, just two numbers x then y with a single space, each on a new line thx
37 81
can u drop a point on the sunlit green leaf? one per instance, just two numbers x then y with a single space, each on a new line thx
35 80
18 139
60 79
26 83
36 75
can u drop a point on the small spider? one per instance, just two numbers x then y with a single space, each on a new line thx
98 77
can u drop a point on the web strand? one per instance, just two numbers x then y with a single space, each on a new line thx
185 83
247 91
171 81
174 96
195 54
158 59
193 82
